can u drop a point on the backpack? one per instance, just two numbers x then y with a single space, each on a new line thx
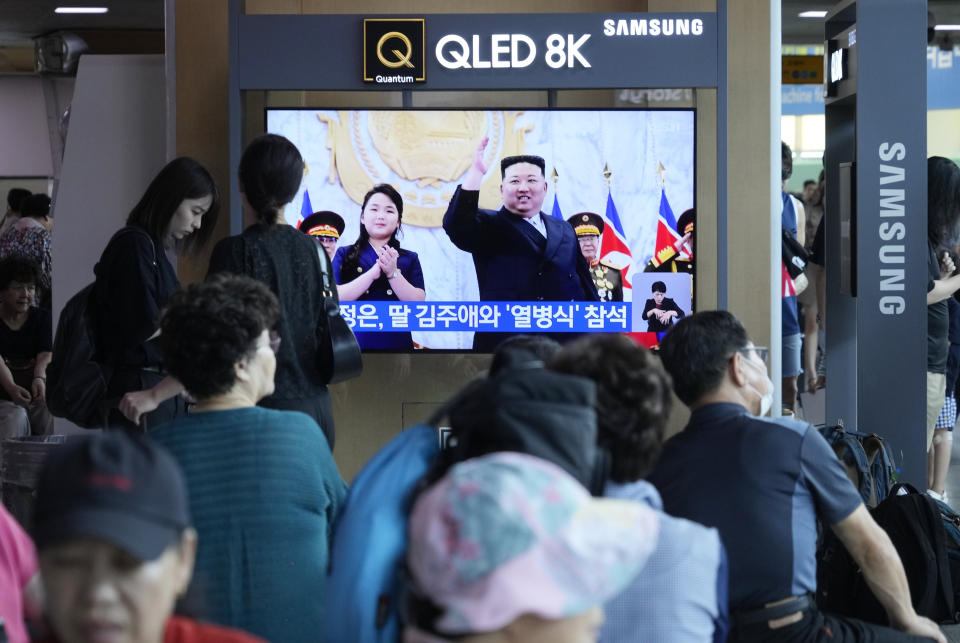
370 539
76 381
867 460
951 529
915 527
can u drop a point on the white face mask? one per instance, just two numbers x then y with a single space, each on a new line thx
766 399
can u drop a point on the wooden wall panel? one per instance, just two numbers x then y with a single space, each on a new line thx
202 102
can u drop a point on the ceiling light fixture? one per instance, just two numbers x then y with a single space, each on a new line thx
947 28
80 10
812 14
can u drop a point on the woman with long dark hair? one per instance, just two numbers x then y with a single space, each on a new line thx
284 259
376 268
134 280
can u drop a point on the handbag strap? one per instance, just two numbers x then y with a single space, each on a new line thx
331 299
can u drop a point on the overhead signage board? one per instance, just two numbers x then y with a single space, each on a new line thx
482 51
801 70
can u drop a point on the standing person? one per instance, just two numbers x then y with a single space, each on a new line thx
938 457
263 483
792 220
30 238
25 345
134 279
14 199
285 260
943 235
325 227
376 268
520 253
765 484
588 226
116 544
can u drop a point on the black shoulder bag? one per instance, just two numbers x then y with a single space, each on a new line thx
338 350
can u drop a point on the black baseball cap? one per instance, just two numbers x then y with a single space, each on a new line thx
120 488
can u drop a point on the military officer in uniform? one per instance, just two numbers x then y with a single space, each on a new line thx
325 227
588 226
679 256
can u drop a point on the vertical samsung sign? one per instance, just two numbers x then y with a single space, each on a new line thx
892 228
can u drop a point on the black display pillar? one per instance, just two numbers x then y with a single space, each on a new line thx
876 218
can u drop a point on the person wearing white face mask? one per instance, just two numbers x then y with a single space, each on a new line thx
764 484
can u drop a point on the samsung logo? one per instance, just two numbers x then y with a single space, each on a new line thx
653 27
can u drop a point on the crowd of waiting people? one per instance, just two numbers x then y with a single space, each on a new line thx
208 515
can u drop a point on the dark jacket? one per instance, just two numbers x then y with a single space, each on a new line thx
513 260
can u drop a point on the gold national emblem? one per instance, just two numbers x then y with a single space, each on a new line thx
421 154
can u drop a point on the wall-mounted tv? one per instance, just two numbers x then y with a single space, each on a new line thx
628 174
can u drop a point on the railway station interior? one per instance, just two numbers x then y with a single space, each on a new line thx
784 477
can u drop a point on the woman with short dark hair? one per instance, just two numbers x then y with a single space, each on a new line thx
134 281
25 352
286 261
263 484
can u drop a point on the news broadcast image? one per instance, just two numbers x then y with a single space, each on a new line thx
633 168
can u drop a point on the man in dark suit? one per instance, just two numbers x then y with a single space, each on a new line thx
520 253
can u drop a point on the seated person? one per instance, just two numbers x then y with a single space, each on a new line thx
263 483
25 345
116 548
508 547
660 312
764 483
681 594
21 595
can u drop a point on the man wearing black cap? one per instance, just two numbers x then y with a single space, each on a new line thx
588 226
116 548
520 253
325 227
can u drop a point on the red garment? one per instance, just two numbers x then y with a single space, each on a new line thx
18 564
183 630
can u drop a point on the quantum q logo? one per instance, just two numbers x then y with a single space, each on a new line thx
393 50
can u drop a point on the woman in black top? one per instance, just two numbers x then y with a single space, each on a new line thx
25 344
134 281
284 259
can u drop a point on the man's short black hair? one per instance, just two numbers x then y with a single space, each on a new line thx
809 182
208 327
633 399
696 351
658 286
507 161
15 197
20 270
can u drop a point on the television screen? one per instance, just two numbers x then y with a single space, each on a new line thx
611 251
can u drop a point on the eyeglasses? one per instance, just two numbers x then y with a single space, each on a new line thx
17 287
274 341
760 351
